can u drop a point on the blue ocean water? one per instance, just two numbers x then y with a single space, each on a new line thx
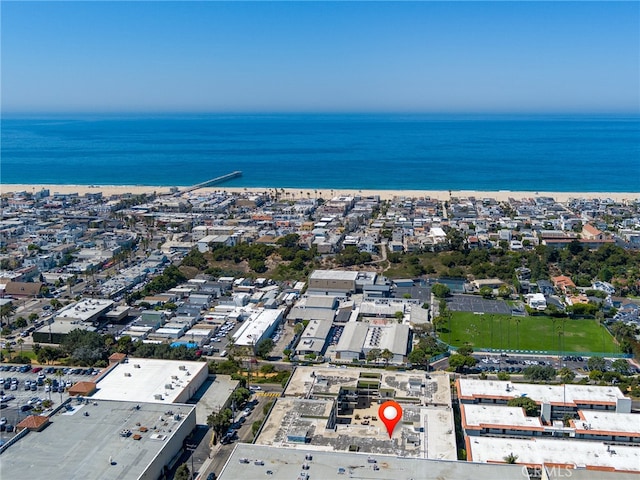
418 152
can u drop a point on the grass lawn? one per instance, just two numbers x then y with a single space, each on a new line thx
504 332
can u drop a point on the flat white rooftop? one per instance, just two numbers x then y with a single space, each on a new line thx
146 380
501 416
469 388
254 328
608 422
86 442
249 462
333 275
536 451
84 310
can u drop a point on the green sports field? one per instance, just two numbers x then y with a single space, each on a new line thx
504 332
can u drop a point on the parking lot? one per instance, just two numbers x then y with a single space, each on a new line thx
23 392
474 303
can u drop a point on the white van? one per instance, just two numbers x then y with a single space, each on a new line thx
223 353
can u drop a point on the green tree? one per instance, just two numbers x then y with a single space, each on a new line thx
6 311
20 322
220 421
290 240
373 355
539 373
504 291
486 292
399 316
531 408
567 375
511 458
458 362
85 347
298 328
267 406
240 395
255 426
195 258
620 366
264 347
440 290
182 472
465 350
386 355
419 357
597 363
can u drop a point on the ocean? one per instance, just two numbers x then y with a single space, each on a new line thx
341 151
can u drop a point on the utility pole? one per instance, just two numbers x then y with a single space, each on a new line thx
192 448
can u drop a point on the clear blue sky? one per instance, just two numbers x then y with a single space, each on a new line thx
320 57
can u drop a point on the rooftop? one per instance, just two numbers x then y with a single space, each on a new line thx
536 451
470 388
249 462
333 275
497 416
89 439
252 329
84 310
147 380
604 422
414 386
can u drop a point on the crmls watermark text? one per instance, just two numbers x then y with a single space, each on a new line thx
552 472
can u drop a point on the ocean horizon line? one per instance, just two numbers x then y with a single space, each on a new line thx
399 113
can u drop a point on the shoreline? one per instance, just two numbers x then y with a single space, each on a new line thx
500 195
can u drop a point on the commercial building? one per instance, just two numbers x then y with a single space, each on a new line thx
248 462
555 400
87 310
314 337
260 325
573 454
152 380
359 338
337 409
592 422
101 439
332 282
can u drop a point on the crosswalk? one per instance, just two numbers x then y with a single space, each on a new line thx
268 394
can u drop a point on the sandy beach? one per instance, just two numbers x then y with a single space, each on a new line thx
291 193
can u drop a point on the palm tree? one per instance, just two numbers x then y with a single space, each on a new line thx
386 355
59 374
511 458
48 382
20 342
6 311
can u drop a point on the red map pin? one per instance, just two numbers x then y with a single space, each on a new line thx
390 413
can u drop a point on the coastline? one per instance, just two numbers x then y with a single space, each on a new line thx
500 195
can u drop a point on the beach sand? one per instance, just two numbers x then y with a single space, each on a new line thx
326 193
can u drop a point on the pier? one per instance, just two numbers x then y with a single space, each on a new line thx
213 181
